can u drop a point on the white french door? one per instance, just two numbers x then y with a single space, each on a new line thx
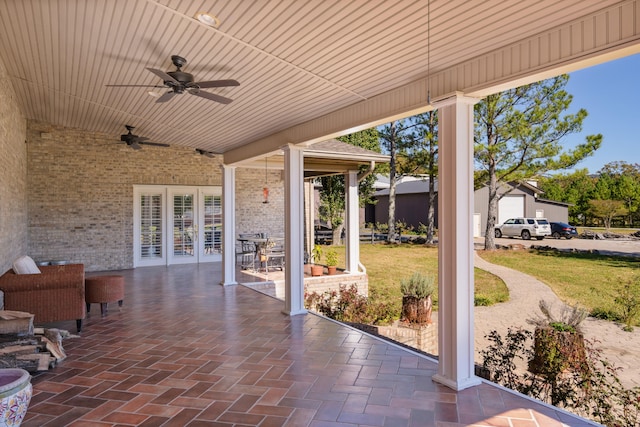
177 225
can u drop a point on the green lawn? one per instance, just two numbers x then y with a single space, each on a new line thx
590 280
387 264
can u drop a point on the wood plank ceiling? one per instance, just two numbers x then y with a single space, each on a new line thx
295 60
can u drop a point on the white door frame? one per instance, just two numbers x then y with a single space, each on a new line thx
204 251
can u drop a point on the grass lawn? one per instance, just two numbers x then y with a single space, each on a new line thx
387 264
590 280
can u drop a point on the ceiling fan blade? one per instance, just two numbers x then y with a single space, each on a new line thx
217 83
134 145
157 144
164 76
210 96
134 86
166 96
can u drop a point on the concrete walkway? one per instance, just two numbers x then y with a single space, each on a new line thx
619 347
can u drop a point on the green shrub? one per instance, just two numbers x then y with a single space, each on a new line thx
316 254
418 285
482 301
605 314
331 257
628 300
569 319
347 305
594 391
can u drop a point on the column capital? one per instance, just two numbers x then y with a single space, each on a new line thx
292 147
453 98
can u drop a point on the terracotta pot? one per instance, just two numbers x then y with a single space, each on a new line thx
332 269
15 395
317 270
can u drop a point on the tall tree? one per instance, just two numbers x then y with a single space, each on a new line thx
518 134
412 144
624 180
332 194
392 138
422 157
576 188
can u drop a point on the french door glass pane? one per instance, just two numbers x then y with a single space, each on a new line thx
151 226
183 231
212 224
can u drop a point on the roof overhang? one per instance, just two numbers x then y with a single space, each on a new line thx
323 158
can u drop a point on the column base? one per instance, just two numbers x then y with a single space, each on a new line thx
228 283
457 385
294 312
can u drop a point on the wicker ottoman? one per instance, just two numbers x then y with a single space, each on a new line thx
103 290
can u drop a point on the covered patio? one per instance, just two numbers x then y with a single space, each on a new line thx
250 365
71 78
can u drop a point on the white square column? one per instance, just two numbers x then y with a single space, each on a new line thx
455 243
228 226
294 230
352 222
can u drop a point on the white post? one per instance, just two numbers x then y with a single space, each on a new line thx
352 223
228 226
294 230
455 243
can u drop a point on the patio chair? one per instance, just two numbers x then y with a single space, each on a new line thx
275 257
247 255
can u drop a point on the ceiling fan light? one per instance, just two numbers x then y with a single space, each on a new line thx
207 19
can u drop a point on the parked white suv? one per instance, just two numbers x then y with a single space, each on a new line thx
525 228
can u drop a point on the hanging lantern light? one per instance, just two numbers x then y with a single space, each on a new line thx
265 189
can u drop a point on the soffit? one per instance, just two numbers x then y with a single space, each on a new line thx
296 60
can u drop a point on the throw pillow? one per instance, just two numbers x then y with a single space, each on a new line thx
25 265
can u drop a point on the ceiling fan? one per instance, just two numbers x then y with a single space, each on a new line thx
179 81
134 141
206 153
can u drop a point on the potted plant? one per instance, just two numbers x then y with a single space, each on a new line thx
416 298
558 342
331 258
316 256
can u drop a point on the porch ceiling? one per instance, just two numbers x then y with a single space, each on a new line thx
297 61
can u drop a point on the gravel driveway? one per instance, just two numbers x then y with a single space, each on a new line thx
624 247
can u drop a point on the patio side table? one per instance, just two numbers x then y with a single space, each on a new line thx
103 290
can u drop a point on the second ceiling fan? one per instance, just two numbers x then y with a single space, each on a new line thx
179 81
134 141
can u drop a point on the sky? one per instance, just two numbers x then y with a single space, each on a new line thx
610 93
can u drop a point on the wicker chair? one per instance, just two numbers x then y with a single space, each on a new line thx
57 293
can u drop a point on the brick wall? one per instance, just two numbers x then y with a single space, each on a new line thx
13 176
251 214
80 193
326 283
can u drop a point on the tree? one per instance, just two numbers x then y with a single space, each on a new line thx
627 190
391 136
518 134
332 194
422 156
576 189
412 144
624 182
607 210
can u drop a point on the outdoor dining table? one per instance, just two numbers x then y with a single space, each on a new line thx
262 248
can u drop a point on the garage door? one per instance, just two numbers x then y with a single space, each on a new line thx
510 207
